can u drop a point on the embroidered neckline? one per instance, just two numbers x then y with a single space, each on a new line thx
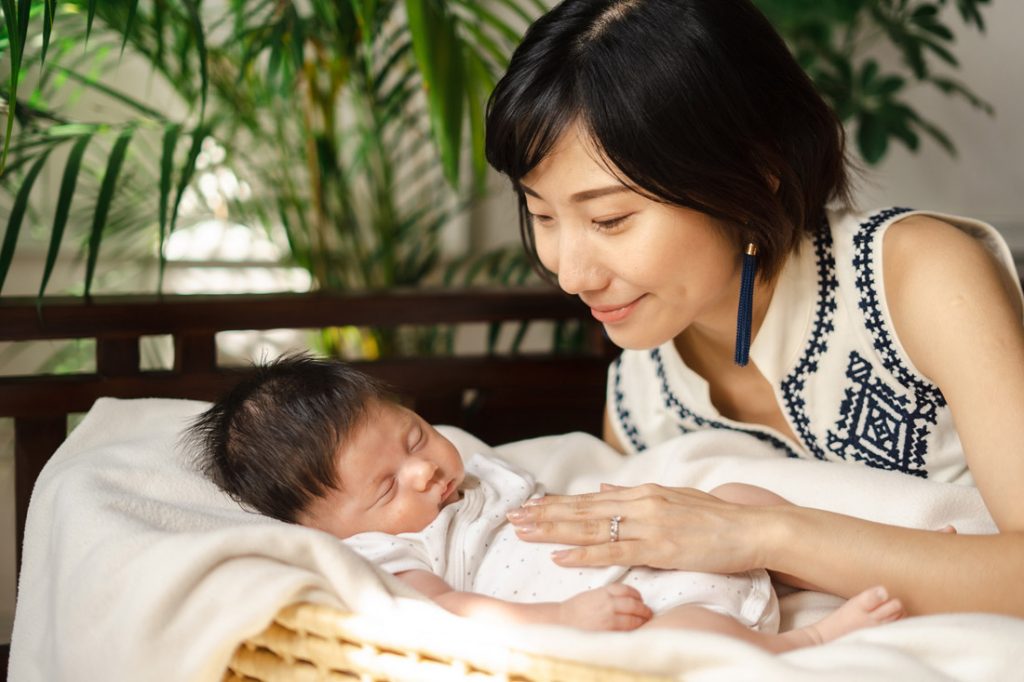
817 344
687 415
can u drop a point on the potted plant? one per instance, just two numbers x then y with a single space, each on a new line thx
348 120
836 42
346 123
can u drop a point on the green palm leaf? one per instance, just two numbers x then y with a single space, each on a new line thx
198 135
112 93
130 23
16 17
170 141
114 163
17 214
50 11
60 218
92 16
438 53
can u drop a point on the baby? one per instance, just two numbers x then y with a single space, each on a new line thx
317 443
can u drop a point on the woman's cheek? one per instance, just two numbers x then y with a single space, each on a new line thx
547 249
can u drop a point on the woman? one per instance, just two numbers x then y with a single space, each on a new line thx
663 151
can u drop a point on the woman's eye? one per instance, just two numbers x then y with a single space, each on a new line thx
611 222
542 219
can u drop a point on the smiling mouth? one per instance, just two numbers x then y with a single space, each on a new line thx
611 315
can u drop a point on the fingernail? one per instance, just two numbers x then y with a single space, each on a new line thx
532 501
526 529
516 515
560 554
882 593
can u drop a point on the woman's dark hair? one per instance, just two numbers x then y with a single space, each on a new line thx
271 442
697 102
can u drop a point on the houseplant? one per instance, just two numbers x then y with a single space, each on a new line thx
837 43
346 117
345 121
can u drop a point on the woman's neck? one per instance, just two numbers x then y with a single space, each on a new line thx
710 343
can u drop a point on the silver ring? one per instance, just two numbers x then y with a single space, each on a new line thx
613 529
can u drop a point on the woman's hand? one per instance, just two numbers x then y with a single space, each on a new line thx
677 528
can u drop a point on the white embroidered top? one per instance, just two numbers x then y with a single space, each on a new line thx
827 346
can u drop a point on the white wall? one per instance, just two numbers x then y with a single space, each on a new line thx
985 180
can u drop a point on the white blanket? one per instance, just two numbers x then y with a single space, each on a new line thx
135 567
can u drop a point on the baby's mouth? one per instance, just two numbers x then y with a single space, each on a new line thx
449 493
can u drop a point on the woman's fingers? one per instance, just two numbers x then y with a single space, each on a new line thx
647 525
575 532
608 493
626 502
622 553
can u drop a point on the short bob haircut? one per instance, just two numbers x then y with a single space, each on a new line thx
698 103
272 441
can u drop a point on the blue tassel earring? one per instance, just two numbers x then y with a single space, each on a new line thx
746 307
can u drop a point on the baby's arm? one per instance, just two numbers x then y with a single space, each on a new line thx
613 607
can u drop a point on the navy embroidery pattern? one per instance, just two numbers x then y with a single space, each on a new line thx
689 421
878 426
864 242
795 383
625 419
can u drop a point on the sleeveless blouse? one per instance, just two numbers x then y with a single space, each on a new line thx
827 346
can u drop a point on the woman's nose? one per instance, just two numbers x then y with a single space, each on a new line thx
576 271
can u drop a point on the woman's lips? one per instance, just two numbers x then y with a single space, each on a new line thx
611 314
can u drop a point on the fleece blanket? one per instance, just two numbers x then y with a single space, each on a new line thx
136 567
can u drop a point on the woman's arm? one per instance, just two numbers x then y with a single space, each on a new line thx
613 607
959 320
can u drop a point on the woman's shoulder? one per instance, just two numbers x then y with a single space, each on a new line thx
911 226
933 266
923 252
910 242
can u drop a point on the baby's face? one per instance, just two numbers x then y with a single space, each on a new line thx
395 471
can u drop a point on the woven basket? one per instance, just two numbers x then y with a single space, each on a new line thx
315 642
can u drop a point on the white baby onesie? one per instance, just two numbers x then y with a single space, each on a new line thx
474 548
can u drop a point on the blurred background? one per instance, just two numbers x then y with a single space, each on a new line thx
231 147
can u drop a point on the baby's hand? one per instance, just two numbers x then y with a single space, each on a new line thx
612 607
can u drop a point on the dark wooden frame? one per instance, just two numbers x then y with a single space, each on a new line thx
498 398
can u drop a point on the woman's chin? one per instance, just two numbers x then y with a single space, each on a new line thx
633 339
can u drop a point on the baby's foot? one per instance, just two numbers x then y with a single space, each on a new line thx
871 607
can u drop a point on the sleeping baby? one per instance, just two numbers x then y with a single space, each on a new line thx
315 442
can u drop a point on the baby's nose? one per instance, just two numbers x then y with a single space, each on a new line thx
421 472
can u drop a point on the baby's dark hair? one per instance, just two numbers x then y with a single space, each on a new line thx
272 440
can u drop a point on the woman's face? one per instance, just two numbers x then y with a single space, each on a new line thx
647 270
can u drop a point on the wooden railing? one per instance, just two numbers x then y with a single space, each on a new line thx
498 398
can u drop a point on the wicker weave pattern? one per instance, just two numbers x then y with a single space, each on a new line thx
316 642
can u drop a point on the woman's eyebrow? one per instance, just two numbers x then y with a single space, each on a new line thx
585 195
